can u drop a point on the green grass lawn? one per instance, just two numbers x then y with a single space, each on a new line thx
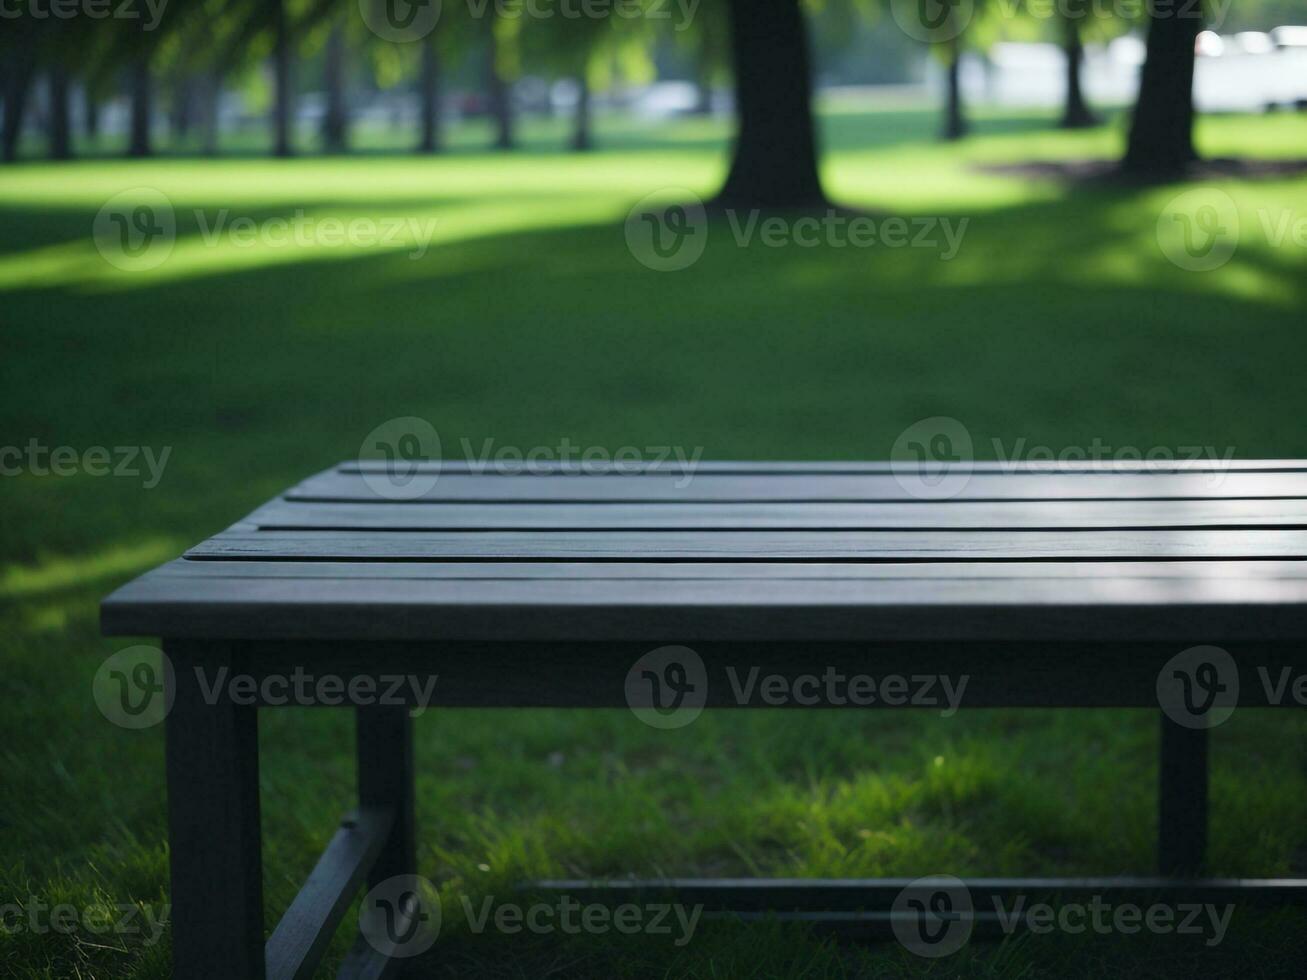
1059 322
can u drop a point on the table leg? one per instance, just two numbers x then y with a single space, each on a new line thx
1182 800
385 779
213 825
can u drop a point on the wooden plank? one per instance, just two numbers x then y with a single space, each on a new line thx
671 464
771 546
285 515
961 608
1197 572
213 825
306 929
358 487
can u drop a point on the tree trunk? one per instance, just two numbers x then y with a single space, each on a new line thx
955 122
210 103
499 92
1076 114
775 157
702 98
17 80
1161 133
335 124
60 126
138 144
282 112
182 109
429 97
90 115
581 139
702 81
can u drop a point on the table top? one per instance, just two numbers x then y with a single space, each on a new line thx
750 552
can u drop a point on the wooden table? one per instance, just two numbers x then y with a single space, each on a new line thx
1043 589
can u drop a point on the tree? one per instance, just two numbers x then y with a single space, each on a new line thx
283 111
17 80
591 52
944 25
139 84
60 123
429 97
499 87
335 120
955 122
774 164
1076 113
1161 131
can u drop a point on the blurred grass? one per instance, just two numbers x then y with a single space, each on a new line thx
1059 322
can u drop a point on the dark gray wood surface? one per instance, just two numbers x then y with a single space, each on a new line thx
748 552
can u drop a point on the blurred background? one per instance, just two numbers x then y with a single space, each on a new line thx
281 76
237 236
